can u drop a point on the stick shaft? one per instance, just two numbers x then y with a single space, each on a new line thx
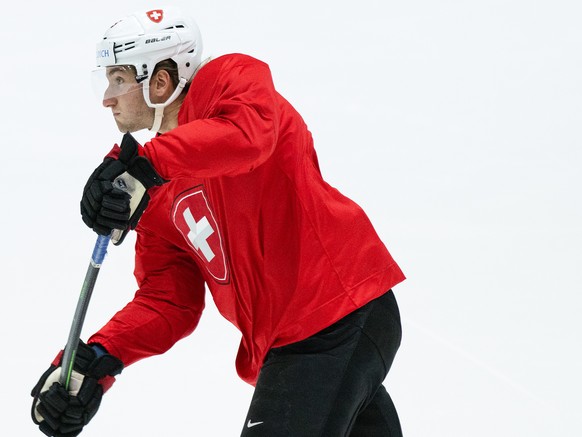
97 257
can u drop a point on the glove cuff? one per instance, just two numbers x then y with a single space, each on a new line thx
87 363
107 365
138 166
142 169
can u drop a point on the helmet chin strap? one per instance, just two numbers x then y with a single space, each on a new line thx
158 117
159 107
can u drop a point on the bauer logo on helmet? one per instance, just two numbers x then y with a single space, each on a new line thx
164 38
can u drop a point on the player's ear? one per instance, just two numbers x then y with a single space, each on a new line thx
161 86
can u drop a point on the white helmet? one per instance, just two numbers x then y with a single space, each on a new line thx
145 38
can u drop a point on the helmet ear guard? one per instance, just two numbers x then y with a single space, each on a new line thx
146 38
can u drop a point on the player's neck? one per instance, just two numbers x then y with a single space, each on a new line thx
170 120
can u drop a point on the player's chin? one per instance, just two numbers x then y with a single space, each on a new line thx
120 125
123 127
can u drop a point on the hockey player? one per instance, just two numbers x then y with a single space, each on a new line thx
229 195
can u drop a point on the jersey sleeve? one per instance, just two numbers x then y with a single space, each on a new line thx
166 308
235 129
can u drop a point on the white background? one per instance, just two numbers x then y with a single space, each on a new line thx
455 124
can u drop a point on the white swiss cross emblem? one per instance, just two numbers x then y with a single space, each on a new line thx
194 219
156 15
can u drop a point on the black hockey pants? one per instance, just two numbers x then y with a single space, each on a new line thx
330 384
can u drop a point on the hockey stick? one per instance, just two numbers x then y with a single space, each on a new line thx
126 183
99 252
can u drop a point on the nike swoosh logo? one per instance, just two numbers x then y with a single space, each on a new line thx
250 424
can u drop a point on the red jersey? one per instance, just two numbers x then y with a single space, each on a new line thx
246 212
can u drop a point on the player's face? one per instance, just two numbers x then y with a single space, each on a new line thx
124 96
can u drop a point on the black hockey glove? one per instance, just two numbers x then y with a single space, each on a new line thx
62 413
115 195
